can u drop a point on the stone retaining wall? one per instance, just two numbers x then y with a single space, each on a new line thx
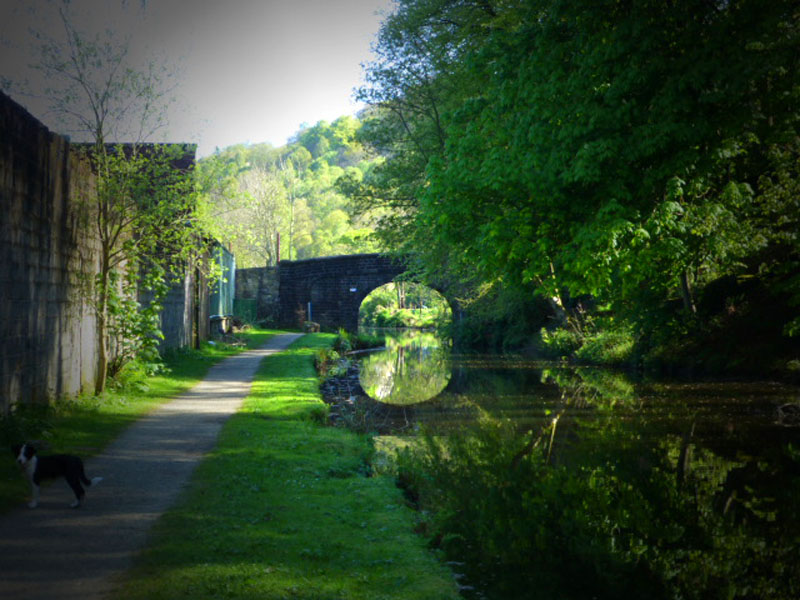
48 257
47 330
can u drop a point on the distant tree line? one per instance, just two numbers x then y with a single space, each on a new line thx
269 203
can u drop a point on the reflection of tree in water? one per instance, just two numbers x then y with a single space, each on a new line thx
580 483
622 490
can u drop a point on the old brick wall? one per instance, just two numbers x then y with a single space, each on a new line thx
47 333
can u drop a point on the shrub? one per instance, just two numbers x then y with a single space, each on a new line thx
560 343
609 520
607 347
325 361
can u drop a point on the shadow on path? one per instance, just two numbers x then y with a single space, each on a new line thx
54 552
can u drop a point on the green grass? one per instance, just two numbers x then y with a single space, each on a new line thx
85 425
282 508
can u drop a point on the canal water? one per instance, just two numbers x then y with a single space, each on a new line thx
716 463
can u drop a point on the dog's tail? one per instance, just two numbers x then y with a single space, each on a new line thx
90 482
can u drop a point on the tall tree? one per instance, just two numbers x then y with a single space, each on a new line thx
266 213
141 204
617 149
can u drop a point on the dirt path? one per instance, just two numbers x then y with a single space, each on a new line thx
55 553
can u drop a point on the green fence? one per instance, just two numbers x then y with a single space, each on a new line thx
223 291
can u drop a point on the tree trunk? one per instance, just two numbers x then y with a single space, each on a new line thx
291 225
102 329
401 294
555 301
686 293
102 351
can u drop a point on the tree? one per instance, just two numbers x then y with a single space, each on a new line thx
265 212
287 191
291 182
141 204
624 151
572 148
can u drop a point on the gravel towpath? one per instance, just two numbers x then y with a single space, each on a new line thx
58 553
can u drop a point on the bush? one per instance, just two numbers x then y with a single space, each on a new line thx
520 524
559 343
326 361
134 375
607 347
347 342
603 517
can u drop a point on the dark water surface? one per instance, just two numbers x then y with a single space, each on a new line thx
717 463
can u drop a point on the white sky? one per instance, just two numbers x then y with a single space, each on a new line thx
249 71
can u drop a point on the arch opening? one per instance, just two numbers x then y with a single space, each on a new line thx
405 304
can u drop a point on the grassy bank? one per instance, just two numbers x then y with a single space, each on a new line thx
284 508
85 425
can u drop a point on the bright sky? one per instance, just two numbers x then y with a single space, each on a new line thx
249 71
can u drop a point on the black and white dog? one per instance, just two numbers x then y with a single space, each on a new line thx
37 468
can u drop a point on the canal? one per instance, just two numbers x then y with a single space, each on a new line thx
547 481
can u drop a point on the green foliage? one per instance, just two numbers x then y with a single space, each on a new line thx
620 520
141 208
365 341
332 362
329 363
499 317
632 152
560 343
599 341
343 342
610 346
252 194
405 304
134 328
286 508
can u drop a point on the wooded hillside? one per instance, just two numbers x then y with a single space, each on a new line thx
255 193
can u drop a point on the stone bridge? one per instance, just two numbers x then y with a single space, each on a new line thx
331 287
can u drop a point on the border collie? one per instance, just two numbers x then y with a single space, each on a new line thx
37 468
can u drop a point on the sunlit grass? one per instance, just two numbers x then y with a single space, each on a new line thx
85 425
283 508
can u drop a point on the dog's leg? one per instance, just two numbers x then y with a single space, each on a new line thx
75 484
34 496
